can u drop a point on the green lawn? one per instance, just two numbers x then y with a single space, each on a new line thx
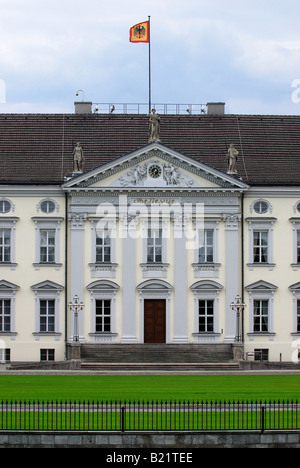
162 387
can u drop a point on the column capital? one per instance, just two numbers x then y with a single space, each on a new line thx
232 221
77 220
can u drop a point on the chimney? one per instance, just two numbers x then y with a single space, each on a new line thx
215 108
83 107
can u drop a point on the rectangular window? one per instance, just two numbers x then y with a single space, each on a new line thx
206 316
298 315
47 246
298 246
206 251
5 245
4 355
47 354
5 317
261 316
261 355
103 247
154 246
47 315
103 315
260 246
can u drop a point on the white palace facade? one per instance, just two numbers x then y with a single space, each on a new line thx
155 238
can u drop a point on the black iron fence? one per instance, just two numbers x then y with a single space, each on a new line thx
149 416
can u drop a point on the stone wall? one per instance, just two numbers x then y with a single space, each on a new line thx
187 441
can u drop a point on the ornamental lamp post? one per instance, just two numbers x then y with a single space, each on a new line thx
76 307
238 306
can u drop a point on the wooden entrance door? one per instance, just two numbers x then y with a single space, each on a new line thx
154 321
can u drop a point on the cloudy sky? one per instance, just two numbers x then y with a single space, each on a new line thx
245 53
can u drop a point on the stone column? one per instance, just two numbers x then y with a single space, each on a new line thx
76 268
232 273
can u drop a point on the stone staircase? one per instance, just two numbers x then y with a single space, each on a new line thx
158 357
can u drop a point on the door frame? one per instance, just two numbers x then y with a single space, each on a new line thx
155 289
159 332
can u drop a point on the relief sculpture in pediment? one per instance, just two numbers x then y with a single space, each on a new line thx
155 173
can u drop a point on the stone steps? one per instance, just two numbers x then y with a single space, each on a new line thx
156 353
163 367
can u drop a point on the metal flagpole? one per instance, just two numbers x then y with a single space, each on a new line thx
149 66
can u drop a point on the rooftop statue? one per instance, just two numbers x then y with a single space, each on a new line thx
78 158
154 126
232 155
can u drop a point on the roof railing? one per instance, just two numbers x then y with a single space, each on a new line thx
135 108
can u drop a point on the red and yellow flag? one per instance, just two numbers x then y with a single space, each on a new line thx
140 32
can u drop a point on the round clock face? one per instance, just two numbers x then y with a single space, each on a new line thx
154 171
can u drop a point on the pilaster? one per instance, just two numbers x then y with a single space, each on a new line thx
77 230
232 272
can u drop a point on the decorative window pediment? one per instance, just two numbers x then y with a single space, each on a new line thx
206 285
103 286
155 284
47 286
7 286
261 286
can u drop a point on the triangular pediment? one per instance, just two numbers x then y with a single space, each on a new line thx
261 286
154 166
47 286
7 286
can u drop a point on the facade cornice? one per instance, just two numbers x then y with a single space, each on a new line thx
273 192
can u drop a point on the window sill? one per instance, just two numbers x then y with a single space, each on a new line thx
37 335
260 334
9 333
206 337
154 270
103 337
57 266
103 270
12 266
206 270
251 266
295 266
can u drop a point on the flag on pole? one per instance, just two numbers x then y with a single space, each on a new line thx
140 32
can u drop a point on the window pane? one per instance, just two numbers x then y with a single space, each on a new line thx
5 245
103 247
103 316
206 316
206 240
5 315
47 246
47 315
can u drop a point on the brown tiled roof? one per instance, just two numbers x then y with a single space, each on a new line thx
38 148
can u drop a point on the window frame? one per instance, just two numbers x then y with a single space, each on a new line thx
47 317
3 315
47 224
295 289
8 292
47 291
261 291
206 290
208 315
155 242
296 243
103 290
261 225
103 269
100 317
9 224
